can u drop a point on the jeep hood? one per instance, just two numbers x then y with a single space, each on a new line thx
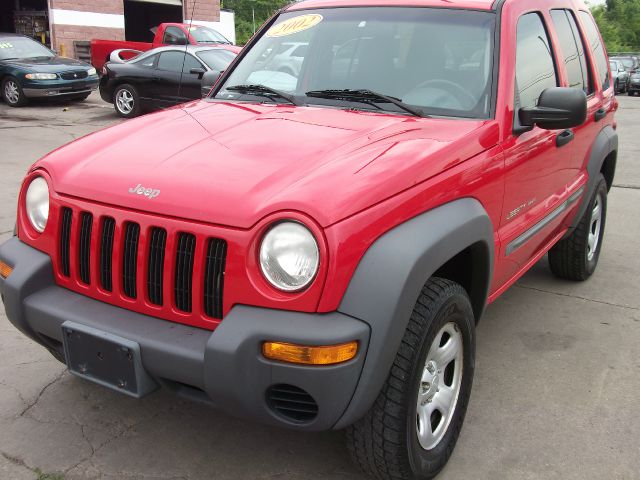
233 164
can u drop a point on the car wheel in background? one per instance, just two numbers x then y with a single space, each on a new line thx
126 101
413 426
12 92
576 257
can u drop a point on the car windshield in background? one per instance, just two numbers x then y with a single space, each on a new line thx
627 62
216 59
19 47
207 35
435 59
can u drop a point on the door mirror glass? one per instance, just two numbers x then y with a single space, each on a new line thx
558 108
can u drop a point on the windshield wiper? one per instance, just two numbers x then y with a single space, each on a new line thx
262 90
365 96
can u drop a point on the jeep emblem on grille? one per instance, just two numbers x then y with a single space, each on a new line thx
147 192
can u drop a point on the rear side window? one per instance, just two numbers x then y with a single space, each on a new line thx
602 64
572 50
535 70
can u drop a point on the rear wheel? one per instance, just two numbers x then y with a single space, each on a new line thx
126 101
576 257
12 92
411 430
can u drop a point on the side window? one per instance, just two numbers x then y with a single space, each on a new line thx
535 70
572 50
174 36
147 62
593 36
171 61
191 62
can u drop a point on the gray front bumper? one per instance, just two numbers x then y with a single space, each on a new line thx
224 368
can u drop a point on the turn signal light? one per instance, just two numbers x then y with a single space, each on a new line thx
307 355
5 270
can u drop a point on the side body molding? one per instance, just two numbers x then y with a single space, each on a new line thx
389 278
605 143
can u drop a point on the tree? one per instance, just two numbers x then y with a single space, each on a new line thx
619 23
244 10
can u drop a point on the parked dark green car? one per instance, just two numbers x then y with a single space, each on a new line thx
28 69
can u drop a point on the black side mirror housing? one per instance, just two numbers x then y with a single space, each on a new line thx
198 71
558 108
209 79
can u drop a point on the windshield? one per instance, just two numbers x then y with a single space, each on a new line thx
207 35
437 59
216 59
20 47
628 63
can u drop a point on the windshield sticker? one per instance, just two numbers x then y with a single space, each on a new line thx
6 45
294 25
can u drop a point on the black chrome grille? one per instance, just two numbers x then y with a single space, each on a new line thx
130 259
214 277
184 271
84 252
157 247
65 242
106 253
292 403
79 75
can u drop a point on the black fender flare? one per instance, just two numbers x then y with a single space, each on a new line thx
605 143
389 278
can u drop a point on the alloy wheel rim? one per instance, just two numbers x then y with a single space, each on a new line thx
11 92
595 229
439 386
124 101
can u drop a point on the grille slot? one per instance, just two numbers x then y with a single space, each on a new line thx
184 271
106 253
65 241
292 402
130 259
84 250
157 247
215 263
78 75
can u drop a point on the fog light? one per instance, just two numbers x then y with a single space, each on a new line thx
307 355
5 270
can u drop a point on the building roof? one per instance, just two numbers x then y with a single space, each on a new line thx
468 4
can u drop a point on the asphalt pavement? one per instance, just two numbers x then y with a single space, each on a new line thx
556 392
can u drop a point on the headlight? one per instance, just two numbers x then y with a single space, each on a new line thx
37 203
41 76
92 71
289 256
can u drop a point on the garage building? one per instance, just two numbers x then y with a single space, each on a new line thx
66 25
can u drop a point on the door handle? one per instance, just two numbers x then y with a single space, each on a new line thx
563 138
600 114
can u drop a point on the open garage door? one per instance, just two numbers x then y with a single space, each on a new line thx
140 16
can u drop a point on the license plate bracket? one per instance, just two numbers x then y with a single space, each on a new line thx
106 359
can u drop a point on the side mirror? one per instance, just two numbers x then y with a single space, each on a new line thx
198 71
209 79
558 108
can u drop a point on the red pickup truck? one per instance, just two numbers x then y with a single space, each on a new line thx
315 249
165 34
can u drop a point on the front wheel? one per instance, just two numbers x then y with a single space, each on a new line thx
576 256
412 428
12 93
126 101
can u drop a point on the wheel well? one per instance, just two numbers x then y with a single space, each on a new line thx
471 269
609 168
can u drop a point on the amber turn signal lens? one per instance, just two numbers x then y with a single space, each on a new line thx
306 355
5 270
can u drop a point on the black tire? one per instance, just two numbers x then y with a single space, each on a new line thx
631 93
572 258
13 84
385 444
130 91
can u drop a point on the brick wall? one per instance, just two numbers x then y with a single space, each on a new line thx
205 10
97 6
65 35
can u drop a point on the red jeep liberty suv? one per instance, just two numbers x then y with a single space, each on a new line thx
315 250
